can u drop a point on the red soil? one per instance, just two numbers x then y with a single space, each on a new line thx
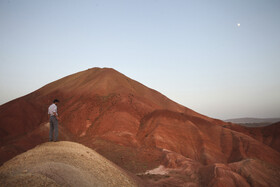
139 129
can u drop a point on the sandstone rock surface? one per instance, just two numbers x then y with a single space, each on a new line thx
63 164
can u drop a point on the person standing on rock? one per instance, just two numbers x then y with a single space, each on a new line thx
52 111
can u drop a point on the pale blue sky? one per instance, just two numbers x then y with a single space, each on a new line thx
192 51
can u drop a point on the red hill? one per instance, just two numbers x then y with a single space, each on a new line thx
140 129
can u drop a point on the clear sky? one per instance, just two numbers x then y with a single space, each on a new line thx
220 58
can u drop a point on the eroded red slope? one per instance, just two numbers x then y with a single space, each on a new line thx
269 135
136 127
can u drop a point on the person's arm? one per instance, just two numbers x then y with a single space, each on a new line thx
56 115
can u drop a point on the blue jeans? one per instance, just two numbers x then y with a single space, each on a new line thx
53 127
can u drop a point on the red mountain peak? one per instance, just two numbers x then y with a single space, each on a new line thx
139 129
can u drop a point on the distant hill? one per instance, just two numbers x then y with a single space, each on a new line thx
254 122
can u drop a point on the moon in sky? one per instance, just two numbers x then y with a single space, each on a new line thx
238 24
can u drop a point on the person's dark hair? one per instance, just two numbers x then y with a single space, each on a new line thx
56 101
